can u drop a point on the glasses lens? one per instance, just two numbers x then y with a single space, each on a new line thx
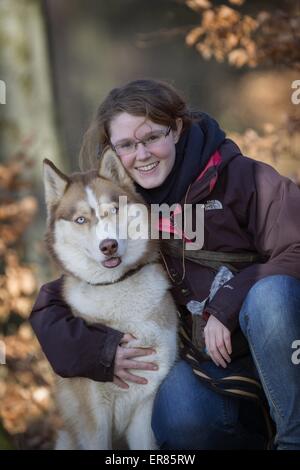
154 138
125 149
128 147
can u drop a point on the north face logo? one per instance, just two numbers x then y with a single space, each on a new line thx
213 204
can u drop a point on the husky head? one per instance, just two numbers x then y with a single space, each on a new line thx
97 225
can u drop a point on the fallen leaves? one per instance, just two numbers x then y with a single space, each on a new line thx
28 417
26 392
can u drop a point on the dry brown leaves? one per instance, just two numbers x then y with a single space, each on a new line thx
27 410
225 33
278 38
17 286
277 146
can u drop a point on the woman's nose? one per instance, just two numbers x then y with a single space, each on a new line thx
141 152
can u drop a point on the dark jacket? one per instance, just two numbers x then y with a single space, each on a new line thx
73 348
257 211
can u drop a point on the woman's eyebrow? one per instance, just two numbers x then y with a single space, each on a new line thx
125 139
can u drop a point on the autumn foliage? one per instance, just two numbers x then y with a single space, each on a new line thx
269 38
226 33
26 404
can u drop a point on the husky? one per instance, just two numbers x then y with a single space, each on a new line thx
114 281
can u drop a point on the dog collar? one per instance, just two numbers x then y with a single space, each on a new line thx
129 273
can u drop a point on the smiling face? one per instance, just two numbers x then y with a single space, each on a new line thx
148 166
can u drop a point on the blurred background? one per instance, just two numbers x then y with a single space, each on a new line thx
236 60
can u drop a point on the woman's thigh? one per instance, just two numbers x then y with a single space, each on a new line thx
187 414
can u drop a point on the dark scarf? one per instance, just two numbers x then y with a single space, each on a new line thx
193 150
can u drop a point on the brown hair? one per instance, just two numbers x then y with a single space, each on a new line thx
156 100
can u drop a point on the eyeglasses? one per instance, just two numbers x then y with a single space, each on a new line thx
129 147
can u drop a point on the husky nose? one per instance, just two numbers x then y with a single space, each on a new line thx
108 246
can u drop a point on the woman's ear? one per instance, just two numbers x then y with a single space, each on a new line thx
177 133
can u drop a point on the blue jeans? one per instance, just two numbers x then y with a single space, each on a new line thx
189 415
270 319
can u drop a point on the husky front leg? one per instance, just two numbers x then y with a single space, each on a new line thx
139 433
97 434
64 441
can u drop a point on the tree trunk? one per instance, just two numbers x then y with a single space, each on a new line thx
29 112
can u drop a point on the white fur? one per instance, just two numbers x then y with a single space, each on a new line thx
96 415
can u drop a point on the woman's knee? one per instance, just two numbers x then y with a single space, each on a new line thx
189 415
270 302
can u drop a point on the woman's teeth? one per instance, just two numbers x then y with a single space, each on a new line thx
149 167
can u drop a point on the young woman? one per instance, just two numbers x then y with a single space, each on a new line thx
251 214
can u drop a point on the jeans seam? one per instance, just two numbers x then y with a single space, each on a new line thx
267 388
226 414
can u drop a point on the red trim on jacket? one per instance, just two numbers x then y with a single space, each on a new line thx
214 160
165 225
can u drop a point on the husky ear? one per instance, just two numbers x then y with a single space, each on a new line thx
112 169
55 183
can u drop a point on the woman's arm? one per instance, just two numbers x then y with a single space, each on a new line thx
274 225
73 348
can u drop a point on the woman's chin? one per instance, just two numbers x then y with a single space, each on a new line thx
149 181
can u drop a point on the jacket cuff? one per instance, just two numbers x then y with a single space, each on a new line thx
230 322
104 367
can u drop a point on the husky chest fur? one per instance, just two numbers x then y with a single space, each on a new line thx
114 280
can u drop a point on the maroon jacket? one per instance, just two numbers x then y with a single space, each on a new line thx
258 213
255 210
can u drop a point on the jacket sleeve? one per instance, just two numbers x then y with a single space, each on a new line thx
73 348
274 225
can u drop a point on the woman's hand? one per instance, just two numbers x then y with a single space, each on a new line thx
218 341
124 361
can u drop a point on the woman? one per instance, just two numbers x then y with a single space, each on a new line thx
173 156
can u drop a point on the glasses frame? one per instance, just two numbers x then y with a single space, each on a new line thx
142 141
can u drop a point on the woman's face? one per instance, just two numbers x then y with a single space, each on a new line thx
150 164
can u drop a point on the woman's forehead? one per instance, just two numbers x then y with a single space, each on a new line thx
124 126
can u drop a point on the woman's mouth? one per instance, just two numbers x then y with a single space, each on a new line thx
147 169
111 262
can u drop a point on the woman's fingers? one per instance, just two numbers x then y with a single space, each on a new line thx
227 341
211 347
127 364
126 338
215 354
124 361
127 376
135 352
220 344
120 382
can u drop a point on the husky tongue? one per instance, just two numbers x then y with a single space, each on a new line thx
112 262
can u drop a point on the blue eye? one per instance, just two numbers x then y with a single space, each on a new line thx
114 210
80 220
